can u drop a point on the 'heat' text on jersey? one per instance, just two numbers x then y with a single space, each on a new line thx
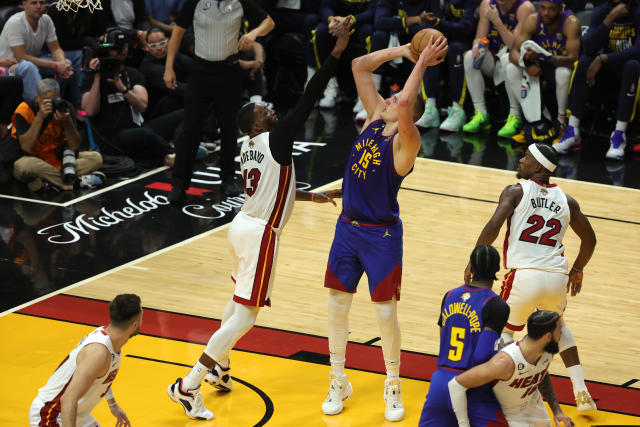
464 309
369 154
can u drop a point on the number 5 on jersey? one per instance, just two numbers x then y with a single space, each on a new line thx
457 343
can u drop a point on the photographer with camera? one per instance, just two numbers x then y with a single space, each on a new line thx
45 129
114 97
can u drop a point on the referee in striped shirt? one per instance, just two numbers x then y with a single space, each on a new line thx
215 77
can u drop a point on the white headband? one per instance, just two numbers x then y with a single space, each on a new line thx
535 152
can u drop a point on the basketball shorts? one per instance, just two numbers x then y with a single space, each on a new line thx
533 415
37 417
482 406
375 250
528 290
254 248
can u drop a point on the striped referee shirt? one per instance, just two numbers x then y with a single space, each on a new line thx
216 24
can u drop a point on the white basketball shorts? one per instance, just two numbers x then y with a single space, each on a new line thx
38 418
254 249
533 415
528 290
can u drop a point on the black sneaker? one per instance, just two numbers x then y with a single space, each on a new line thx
177 195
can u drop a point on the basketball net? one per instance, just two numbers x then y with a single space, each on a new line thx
74 5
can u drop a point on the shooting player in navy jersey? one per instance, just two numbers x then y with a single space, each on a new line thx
471 320
611 62
368 234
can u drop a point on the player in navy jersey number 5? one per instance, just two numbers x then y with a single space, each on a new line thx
471 320
368 235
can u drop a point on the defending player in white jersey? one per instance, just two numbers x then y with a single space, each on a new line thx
537 215
520 371
270 186
85 376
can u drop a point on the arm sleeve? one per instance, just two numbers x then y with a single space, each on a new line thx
444 298
281 138
386 17
253 13
458 395
618 59
598 34
466 26
186 14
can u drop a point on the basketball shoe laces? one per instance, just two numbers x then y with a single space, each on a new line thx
336 389
392 395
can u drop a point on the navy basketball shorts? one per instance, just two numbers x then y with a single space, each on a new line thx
375 250
483 408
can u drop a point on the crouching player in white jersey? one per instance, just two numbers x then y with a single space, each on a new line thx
520 370
270 187
538 214
85 376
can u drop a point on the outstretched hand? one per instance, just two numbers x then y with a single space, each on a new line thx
435 51
121 418
327 196
562 420
343 31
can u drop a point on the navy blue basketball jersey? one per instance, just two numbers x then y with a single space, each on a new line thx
370 185
554 43
461 322
509 20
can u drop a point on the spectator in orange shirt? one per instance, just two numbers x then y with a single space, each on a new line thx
43 134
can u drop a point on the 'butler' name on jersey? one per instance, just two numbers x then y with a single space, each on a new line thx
368 155
251 155
542 202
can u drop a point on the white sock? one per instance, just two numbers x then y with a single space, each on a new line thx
387 316
577 378
574 122
255 98
432 102
457 106
339 306
562 119
195 377
480 106
621 126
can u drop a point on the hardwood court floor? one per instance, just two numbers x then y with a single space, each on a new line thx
444 206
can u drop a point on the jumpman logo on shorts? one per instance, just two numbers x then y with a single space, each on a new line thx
386 233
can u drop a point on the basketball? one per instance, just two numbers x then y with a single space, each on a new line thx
421 39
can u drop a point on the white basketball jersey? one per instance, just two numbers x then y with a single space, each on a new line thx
270 187
521 390
536 228
51 393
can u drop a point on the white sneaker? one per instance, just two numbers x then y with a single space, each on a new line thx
393 398
330 94
585 403
92 180
430 118
190 400
455 119
618 142
570 138
362 116
339 389
219 378
359 106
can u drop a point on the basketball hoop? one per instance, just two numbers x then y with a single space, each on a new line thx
74 5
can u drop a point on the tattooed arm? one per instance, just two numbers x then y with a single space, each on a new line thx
549 394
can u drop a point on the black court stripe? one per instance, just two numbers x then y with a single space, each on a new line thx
630 382
268 403
495 203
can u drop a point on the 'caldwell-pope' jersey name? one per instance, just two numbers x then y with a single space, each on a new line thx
464 309
251 155
541 202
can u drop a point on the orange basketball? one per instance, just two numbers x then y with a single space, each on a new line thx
421 39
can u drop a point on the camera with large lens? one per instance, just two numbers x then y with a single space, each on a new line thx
108 66
68 170
59 104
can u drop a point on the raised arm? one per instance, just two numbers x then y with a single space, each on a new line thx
363 68
582 227
92 362
508 36
407 142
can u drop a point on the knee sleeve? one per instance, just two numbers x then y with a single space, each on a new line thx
566 340
387 316
225 338
339 305
563 78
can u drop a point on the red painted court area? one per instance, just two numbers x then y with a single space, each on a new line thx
286 344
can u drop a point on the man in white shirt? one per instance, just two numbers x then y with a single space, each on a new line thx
23 37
